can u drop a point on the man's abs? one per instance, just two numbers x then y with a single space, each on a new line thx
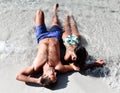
49 47
54 51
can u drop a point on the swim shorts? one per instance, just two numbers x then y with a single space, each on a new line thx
54 32
71 39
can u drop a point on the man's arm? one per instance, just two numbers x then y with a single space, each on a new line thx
24 75
67 68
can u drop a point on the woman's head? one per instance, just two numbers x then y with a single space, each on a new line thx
81 55
70 54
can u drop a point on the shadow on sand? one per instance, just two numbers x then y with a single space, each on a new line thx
96 71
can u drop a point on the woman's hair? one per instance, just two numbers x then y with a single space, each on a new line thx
46 82
81 55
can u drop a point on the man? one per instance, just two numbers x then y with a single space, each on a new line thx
48 56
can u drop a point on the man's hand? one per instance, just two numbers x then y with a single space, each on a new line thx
39 81
74 67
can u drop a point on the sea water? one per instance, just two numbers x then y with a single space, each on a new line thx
98 23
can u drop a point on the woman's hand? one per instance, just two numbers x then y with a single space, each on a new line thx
74 67
100 62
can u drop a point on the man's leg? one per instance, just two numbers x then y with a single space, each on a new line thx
67 31
74 27
39 18
40 25
55 17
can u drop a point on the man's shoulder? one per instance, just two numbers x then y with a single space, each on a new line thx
59 67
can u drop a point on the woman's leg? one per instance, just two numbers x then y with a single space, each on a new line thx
74 27
67 31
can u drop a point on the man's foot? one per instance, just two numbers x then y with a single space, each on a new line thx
55 7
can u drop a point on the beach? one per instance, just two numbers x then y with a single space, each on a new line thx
98 22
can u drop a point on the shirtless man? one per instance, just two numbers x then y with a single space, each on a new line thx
48 56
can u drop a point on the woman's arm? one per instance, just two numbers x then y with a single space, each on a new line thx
98 63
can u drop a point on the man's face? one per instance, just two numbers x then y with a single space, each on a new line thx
51 74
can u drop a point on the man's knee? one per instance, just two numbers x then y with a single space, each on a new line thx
39 12
36 68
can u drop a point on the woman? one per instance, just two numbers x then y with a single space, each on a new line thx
74 51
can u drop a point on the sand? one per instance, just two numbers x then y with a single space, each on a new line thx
98 22
68 83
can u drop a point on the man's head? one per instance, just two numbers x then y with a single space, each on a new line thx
46 82
81 55
49 79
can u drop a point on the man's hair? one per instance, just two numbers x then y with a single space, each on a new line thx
81 55
46 82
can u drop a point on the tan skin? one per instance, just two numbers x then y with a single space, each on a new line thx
47 59
70 54
70 49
